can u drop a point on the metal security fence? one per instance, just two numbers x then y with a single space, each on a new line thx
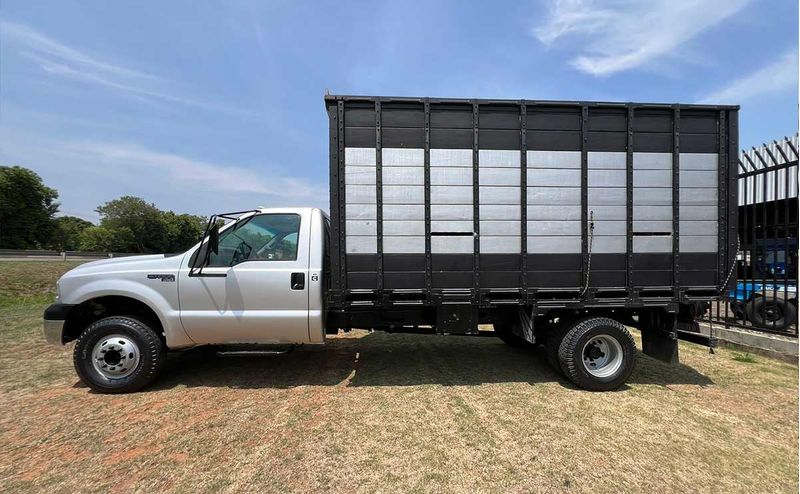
764 294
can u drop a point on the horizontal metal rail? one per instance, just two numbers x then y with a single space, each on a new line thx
39 253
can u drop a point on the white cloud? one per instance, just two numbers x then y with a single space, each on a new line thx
620 35
60 60
87 173
780 75
51 48
188 172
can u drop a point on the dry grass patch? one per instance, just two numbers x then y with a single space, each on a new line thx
379 412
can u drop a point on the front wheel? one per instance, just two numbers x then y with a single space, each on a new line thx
118 355
597 354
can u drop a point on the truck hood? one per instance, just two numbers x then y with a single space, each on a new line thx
126 264
126 275
121 260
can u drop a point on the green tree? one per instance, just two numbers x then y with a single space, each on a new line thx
96 239
67 233
27 208
103 239
144 221
183 230
131 224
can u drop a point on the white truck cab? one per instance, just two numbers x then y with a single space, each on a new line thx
261 282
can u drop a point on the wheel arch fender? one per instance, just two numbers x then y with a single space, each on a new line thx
167 314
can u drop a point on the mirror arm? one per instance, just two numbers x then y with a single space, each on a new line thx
196 270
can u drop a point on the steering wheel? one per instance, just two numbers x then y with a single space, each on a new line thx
269 245
241 253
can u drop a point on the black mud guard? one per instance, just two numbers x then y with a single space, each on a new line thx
659 330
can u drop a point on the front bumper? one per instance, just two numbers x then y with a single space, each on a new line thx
54 332
54 319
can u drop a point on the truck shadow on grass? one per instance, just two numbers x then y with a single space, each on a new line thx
381 359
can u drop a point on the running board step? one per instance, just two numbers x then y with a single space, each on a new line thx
253 351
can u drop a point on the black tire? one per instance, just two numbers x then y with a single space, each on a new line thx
504 331
580 338
150 361
776 314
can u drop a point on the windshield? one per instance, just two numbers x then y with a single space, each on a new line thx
262 237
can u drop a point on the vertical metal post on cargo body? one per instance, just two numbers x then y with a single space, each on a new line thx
722 197
629 204
342 200
732 191
335 198
379 198
427 171
523 185
584 196
676 201
476 224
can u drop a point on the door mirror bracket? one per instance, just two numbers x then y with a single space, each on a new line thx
204 251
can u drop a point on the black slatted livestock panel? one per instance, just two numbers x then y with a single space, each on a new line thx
543 259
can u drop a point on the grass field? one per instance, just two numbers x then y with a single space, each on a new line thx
373 412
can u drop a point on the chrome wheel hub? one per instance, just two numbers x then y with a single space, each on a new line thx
602 356
115 356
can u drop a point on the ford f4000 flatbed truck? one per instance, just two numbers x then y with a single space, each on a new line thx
559 223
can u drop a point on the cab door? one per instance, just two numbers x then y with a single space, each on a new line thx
255 290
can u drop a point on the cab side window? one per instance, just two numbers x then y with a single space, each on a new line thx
264 237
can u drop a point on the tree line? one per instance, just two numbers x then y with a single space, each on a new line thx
28 220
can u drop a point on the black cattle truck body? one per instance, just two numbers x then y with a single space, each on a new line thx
557 222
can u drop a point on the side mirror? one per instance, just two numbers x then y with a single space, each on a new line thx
201 256
213 239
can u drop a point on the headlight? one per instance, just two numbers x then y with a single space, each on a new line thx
58 291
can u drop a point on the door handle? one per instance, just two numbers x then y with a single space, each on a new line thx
298 281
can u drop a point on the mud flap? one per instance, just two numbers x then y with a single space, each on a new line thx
659 335
524 328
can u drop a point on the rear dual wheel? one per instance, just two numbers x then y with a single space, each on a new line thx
597 354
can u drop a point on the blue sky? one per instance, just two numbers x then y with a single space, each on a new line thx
204 106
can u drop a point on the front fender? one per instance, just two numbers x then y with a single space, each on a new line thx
167 313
